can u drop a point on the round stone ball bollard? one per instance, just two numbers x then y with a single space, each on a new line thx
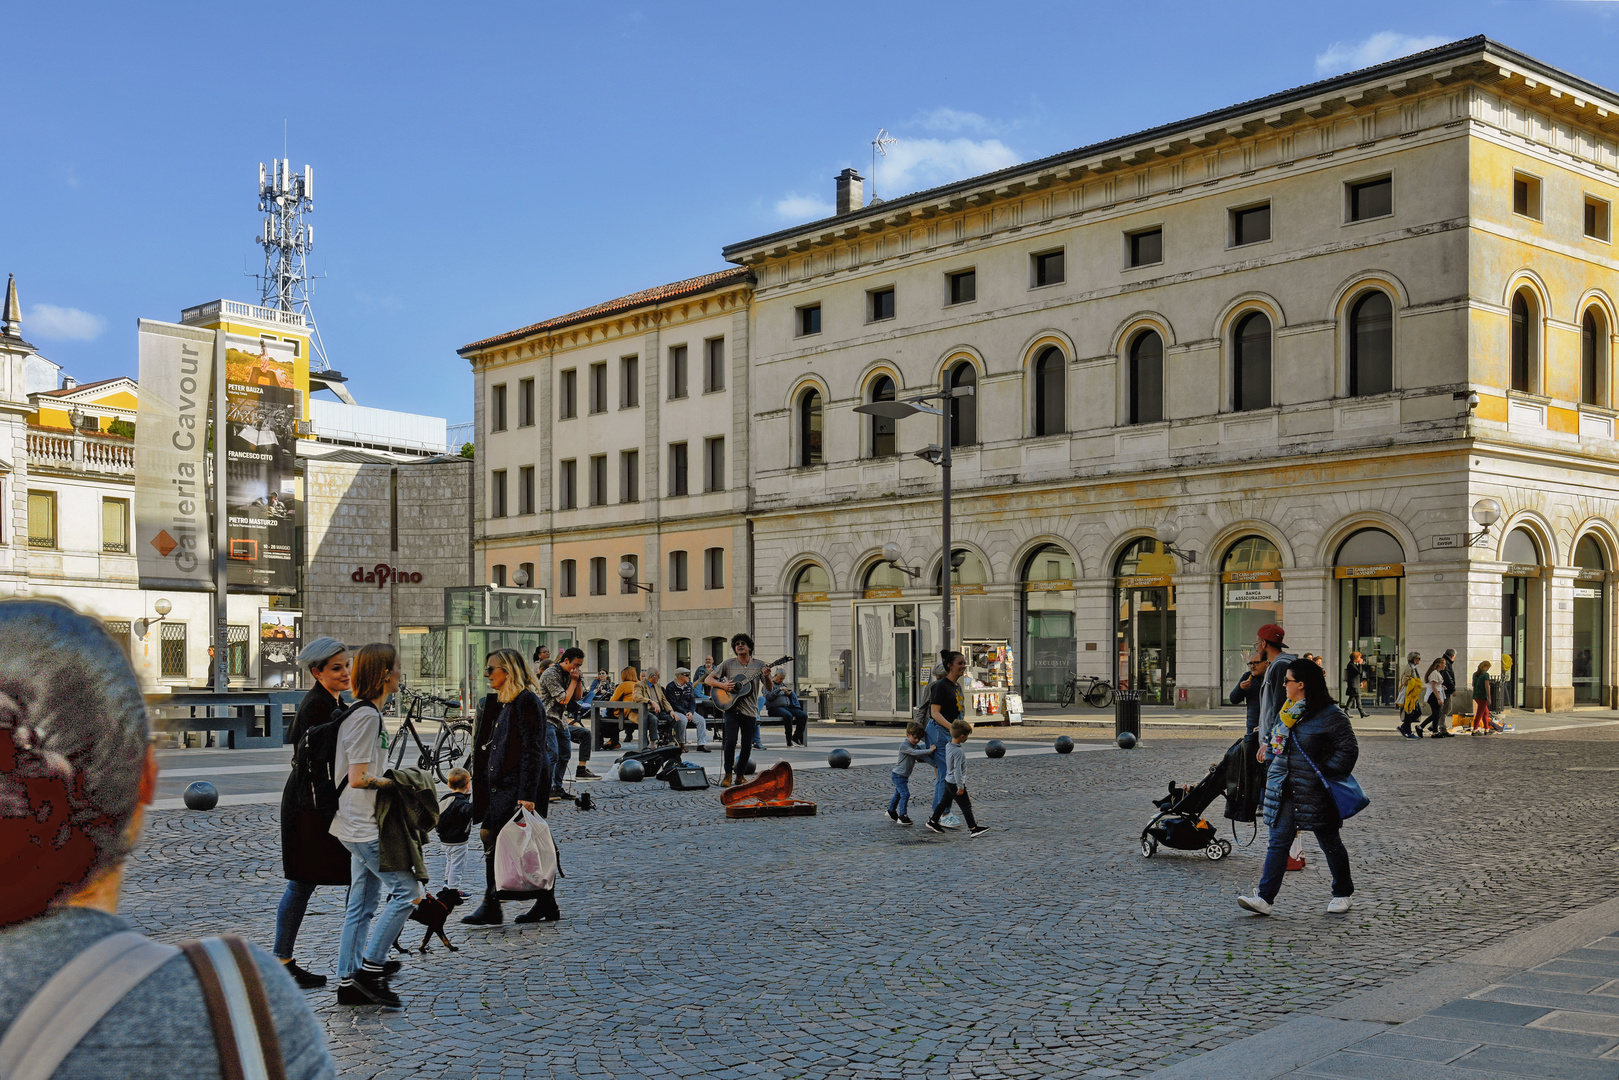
201 796
840 759
1065 745
748 769
1127 740
994 748
631 771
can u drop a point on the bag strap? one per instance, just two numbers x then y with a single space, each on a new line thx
238 1009
62 1012
1300 744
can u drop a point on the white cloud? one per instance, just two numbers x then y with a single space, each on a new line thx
1342 56
955 120
915 164
796 207
70 324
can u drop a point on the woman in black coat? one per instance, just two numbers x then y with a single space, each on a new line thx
310 854
1310 728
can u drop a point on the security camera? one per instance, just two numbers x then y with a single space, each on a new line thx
1472 401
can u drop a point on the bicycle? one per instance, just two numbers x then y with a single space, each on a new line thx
1098 693
453 747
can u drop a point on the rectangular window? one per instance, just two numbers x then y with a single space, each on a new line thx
714 364
1371 199
629 476
677 572
598 576
118 630
682 651
568 486
1147 247
714 464
115 526
881 305
525 490
963 286
172 650
631 650
236 652
809 320
677 371
498 574
1596 218
598 387
497 493
714 568
525 403
677 469
42 519
568 395
527 570
568 578
1250 225
598 480
629 382
1048 269
626 585
497 408
1526 195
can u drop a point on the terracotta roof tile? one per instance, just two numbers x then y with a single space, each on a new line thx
676 290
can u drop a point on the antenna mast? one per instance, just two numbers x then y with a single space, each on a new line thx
879 145
284 198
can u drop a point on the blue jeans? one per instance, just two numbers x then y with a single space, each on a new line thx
367 881
938 737
902 794
289 916
562 757
1281 841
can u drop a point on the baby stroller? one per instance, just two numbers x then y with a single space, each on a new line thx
1180 824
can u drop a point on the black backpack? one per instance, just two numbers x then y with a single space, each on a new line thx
314 762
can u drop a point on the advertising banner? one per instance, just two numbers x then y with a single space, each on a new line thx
281 639
261 413
171 446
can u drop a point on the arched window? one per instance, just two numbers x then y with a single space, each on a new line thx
1521 549
812 628
1590 621
1371 345
1250 367
963 410
880 575
967 569
1147 378
1593 357
883 427
809 427
1251 596
1048 622
1523 341
1050 392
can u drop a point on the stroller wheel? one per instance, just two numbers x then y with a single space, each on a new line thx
1216 851
1148 846
1226 846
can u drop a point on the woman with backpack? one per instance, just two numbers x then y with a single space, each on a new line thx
1310 742
83 996
310 854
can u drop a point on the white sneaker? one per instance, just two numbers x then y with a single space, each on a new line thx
952 820
1254 904
1339 904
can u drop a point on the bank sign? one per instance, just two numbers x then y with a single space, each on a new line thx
171 457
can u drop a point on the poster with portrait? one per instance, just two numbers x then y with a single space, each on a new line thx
281 639
261 413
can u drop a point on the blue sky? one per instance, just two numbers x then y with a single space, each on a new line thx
482 166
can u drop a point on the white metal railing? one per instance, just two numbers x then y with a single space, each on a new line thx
237 309
80 453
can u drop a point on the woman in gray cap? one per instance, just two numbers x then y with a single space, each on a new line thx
310 854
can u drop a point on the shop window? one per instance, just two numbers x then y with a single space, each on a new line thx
809 428
883 428
1144 622
1146 378
1250 363
1050 392
1369 566
963 410
1590 621
1371 345
1251 596
1048 646
881 576
812 629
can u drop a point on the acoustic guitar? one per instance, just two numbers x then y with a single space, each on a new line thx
725 699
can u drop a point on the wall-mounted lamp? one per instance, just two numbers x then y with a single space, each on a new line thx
1168 533
891 556
162 607
627 571
1486 512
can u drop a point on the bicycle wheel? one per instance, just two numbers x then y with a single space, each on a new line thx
396 752
452 750
1068 694
1099 696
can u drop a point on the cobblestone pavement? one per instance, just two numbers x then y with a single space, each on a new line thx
840 946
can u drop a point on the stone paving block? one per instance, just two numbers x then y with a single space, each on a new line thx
1517 1061
1400 1044
1606 1024
1533 1037
1346 1065
1552 999
1543 980
1489 1011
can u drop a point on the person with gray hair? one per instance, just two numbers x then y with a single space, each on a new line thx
82 992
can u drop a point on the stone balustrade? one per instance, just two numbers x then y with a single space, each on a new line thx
80 452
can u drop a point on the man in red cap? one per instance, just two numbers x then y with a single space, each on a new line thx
1272 646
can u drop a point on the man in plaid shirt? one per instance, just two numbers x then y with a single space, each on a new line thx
560 687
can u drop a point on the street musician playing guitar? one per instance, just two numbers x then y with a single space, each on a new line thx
736 691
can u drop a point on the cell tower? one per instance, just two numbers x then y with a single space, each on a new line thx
284 198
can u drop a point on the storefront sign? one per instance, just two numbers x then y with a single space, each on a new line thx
1253 596
808 597
1147 582
884 594
1587 594
381 574
1052 585
1591 575
1251 575
1385 570
1521 570
967 590
171 441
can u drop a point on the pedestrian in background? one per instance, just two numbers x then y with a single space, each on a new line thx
1356 672
1434 696
945 706
1246 692
1411 698
1481 699
781 701
956 777
911 750
1450 686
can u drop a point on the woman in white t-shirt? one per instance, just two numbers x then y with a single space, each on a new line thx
1435 697
362 961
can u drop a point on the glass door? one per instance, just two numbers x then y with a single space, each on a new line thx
1369 623
1514 639
1146 637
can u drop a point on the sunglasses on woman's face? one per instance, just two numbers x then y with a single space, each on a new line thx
488 671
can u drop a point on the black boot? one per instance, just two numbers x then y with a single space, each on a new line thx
544 910
488 913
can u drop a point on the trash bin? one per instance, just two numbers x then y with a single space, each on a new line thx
1127 713
1495 695
824 697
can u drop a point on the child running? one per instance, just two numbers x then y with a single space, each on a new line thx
455 829
955 781
910 752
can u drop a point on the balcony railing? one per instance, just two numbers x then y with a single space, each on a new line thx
211 312
81 453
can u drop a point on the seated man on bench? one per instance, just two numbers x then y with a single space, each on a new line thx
682 697
782 701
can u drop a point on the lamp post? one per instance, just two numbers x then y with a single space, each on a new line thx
628 571
935 454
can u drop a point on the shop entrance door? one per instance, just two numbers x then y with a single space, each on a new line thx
1146 638
1369 614
895 647
1514 639
904 666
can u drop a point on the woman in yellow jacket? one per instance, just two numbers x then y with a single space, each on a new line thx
1411 703
629 692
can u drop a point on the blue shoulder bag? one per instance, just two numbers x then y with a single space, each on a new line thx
1346 793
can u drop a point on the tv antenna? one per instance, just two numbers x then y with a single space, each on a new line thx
879 145
284 198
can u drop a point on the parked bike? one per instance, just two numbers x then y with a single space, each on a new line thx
453 747
1097 693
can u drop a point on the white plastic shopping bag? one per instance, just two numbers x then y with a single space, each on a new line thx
525 856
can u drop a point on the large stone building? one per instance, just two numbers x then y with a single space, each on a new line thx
1306 339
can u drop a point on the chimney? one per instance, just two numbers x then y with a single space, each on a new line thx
851 195
69 382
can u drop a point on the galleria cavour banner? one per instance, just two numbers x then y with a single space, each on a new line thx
171 457
261 416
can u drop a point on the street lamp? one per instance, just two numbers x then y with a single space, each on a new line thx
934 454
1486 512
627 571
520 579
162 607
1168 533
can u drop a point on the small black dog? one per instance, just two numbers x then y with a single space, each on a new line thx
432 912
